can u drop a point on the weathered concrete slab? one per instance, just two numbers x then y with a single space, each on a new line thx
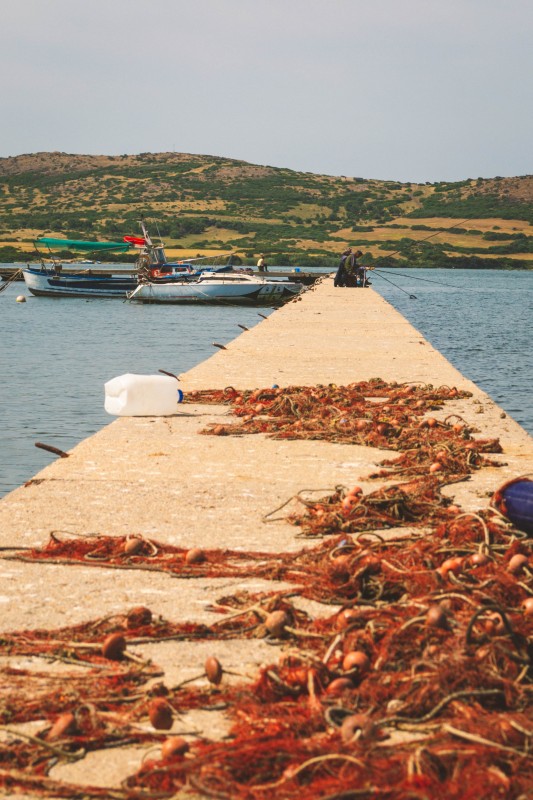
159 477
55 595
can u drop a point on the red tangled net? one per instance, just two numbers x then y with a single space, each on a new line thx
416 684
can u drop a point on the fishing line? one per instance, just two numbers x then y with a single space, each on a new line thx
427 280
411 296
15 276
414 244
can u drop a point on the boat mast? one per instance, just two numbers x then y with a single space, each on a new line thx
145 234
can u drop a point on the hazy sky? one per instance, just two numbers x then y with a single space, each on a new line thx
412 90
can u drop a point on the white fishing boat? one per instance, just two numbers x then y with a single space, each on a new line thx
222 288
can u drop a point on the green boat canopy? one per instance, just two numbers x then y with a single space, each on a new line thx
74 244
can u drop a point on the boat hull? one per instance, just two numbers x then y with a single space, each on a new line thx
219 293
48 284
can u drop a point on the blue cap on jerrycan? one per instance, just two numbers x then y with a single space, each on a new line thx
515 501
180 396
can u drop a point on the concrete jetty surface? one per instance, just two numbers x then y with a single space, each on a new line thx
159 478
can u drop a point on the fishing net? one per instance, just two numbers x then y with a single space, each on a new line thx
414 683
372 413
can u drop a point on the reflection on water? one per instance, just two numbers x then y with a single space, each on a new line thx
57 354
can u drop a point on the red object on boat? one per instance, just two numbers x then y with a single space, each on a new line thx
136 241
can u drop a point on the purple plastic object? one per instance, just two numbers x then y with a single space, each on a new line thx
515 501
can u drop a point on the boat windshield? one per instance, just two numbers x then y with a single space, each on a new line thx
159 254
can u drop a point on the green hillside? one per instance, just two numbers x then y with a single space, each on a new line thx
205 204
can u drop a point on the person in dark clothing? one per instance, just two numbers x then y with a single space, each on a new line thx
354 274
360 271
340 276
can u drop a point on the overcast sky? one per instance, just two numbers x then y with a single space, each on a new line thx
412 90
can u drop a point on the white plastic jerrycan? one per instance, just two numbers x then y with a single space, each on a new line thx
142 396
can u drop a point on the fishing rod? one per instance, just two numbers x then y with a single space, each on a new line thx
425 239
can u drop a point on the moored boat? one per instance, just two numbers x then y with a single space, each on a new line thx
48 282
222 288
53 282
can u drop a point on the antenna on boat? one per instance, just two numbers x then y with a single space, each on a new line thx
159 234
145 233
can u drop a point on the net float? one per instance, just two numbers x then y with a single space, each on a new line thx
64 725
138 616
339 567
356 724
133 546
436 617
450 565
527 607
213 670
478 560
493 624
356 659
276 622
174 747
346 617
517 563
195 556
355 492
160 714
349 502
338 686
114 647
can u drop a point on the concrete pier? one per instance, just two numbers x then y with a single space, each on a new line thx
159 478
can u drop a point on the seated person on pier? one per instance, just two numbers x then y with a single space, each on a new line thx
354 273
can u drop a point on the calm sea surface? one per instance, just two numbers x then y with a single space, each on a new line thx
56 354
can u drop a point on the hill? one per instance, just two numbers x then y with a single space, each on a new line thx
205 204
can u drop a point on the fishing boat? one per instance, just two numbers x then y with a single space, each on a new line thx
222 288
53 280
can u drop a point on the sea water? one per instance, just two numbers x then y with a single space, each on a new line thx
56 354
481 320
